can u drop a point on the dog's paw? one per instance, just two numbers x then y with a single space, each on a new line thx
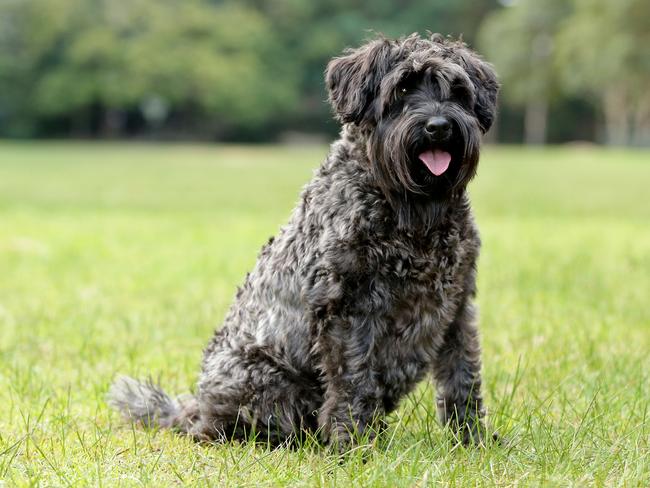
476 434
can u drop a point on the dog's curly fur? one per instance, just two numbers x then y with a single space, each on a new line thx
369 287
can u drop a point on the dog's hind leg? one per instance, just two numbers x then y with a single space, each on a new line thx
250 393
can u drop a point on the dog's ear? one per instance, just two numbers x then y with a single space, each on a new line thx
487 90
486 85
353 80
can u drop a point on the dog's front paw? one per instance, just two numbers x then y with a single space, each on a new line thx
344 438
476 434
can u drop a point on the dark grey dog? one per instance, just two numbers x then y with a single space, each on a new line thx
369 286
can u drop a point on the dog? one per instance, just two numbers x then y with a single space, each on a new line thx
370 286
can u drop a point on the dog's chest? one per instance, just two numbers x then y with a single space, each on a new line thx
425 274
422 285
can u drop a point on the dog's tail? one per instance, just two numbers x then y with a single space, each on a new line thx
145 403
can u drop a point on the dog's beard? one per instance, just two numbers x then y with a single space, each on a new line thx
394 147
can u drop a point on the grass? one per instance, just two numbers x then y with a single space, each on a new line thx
122 258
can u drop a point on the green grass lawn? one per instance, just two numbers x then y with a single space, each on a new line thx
123 259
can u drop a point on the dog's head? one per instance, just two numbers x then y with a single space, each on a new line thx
423 105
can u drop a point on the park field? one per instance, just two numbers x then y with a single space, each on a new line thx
123 258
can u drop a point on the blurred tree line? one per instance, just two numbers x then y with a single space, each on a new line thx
252 69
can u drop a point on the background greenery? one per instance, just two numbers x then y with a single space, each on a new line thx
123 258
252 69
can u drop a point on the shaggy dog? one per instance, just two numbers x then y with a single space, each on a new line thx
369 287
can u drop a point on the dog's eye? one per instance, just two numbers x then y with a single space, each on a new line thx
403 91
460 93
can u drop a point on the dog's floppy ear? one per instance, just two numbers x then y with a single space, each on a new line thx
353 80
485 83
487 90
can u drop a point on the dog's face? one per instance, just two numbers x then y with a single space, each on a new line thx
423 104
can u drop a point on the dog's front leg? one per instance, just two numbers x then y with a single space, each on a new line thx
457 371
352 407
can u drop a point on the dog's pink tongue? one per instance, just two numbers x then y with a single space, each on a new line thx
437 161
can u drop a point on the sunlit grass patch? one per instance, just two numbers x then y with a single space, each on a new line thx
122 258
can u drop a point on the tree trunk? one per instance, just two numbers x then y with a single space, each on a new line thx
112 123
535 121
642 123
617 120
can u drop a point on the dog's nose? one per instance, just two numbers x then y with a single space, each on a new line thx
437 126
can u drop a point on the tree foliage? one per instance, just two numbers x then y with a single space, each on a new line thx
66 56
587 49
253 68
603 52
520 41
